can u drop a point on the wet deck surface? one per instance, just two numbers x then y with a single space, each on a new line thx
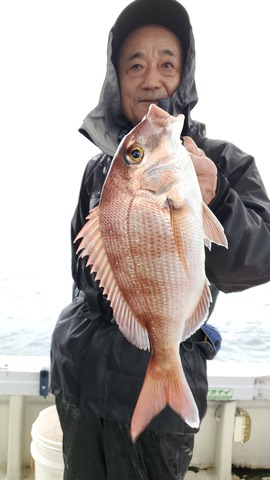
193 474
237 474
247 474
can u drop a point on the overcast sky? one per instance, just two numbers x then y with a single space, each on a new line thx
53 57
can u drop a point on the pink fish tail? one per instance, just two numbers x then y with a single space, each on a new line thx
160 390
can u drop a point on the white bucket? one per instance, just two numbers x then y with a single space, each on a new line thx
46 446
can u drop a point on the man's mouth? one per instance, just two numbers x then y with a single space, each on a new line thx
149 100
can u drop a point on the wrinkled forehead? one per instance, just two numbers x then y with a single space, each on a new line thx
149 32
150 39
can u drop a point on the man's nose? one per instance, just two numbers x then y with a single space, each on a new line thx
152 78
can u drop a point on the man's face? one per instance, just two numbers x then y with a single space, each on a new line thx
150 68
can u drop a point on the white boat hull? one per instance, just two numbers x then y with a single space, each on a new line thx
235 431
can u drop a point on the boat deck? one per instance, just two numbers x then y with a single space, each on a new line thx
193 474
237 474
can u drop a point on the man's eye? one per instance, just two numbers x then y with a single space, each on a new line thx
168 65
136 66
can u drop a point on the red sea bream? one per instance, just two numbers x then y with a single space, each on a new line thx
146 242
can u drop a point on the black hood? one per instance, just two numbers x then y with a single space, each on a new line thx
105 123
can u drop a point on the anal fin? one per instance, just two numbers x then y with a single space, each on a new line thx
200 313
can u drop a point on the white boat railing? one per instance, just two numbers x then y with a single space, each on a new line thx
235 431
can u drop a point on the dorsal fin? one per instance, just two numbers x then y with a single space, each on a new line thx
92 246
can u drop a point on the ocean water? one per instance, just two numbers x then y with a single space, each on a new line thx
30 305
29 309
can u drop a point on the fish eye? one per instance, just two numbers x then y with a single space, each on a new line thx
134 154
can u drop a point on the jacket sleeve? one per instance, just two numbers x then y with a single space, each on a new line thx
242 206
84 281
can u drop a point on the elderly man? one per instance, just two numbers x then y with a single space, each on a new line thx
96 373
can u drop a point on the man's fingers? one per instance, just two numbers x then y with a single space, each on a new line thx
205 169
191 147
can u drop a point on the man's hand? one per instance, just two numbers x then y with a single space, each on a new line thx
205 169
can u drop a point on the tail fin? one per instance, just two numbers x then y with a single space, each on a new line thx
159 390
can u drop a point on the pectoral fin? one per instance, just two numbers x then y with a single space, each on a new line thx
213 230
